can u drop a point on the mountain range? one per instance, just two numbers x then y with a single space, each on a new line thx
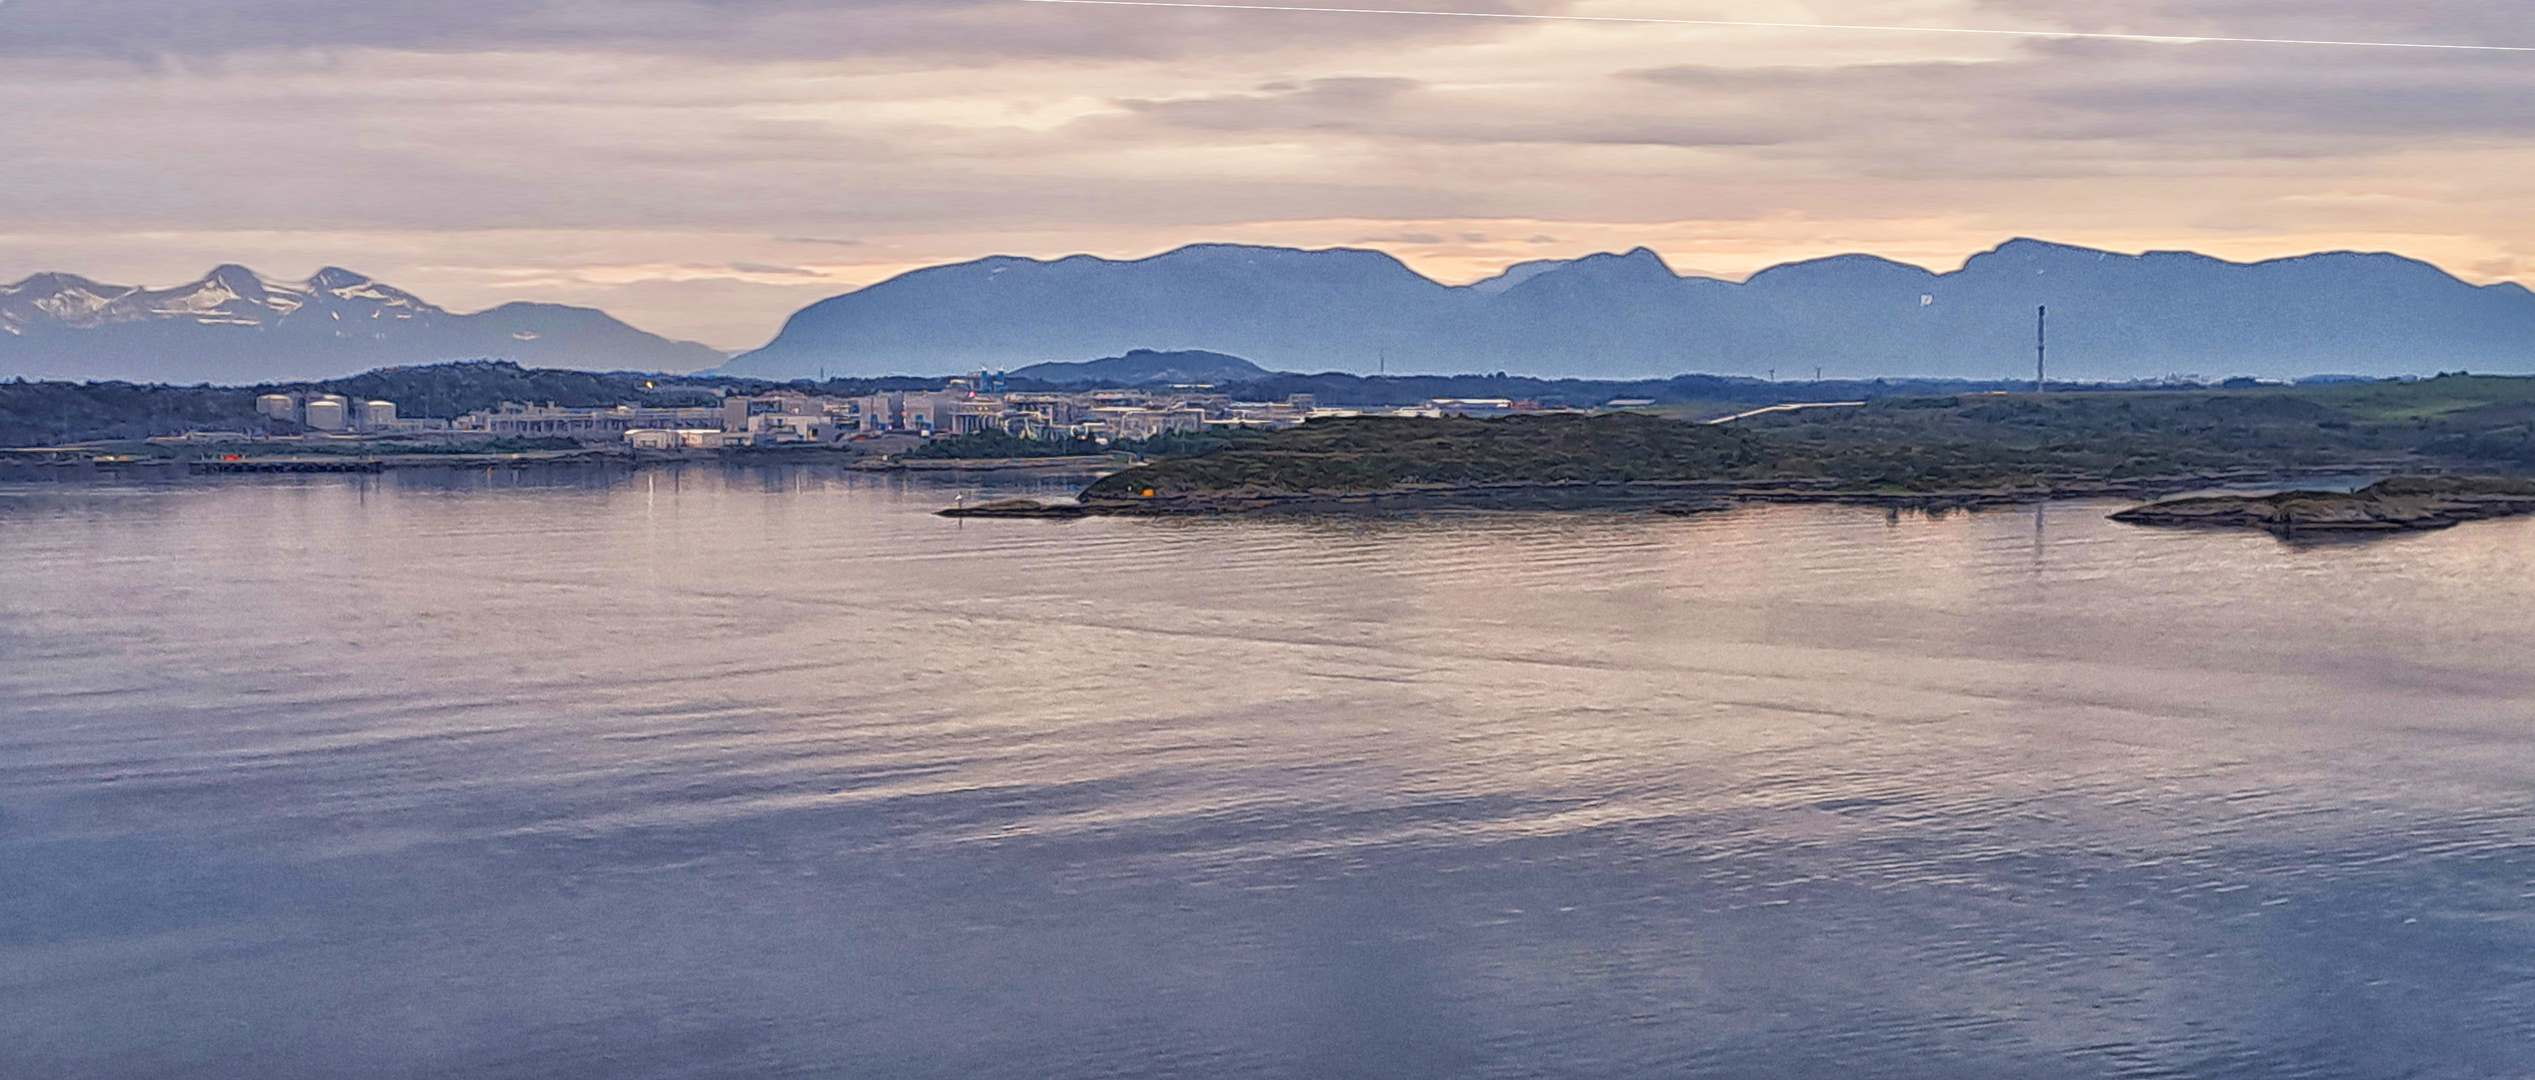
235 326
2112 316
1605 316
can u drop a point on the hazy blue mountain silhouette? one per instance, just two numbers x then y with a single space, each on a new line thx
236 326
1629 315
1141 366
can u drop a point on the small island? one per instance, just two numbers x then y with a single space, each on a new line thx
1936 456
2400 504
1017 508
1546 461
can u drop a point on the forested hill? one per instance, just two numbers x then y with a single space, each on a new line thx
33 412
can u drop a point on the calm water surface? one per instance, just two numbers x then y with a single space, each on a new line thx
735 774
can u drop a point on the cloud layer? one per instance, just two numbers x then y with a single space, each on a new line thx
703 167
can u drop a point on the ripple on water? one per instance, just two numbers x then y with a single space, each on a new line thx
704 773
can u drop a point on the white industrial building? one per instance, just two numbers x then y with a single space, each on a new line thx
326 412
607 424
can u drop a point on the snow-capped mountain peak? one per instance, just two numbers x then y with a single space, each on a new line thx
348 287
234 322
65 299
230 295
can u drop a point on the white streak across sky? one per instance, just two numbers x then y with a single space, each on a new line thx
2170 39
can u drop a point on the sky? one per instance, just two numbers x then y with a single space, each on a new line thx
702 168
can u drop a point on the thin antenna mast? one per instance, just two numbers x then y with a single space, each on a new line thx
2041 343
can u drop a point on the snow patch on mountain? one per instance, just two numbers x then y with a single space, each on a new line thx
234 323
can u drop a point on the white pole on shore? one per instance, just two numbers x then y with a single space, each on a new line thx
2041 343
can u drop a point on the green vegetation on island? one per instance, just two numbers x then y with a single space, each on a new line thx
2450 423
1371 454
1969 447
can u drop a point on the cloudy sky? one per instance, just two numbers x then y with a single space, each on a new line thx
703 167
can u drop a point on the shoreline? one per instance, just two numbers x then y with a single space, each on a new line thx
74 463
2394 505
1661 496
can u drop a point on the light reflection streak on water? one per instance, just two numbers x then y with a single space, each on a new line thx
693 773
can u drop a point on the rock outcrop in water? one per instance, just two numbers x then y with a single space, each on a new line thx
2395 505
1017 508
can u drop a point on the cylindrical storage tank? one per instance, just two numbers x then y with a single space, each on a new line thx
378 414
326 414
278 406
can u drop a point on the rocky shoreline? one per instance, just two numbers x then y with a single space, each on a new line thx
1666 497
1017 508
2400 504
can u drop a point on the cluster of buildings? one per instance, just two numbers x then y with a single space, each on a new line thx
334 412
965 406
